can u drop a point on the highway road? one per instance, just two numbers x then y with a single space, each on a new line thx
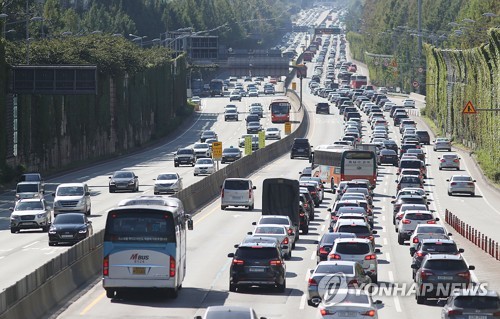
30 247
217 231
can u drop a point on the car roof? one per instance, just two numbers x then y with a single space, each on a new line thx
356 222
444 257
431 225
267 244
436 240
353 240
24 200
73 184
336 262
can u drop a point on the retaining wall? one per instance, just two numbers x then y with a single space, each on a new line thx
36 294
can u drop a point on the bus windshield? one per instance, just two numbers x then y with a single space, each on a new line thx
139 225
280 108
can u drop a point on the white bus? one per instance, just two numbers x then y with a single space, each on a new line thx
145 245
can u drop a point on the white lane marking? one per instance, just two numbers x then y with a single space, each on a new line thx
391 276
388 257
397 304
33 243
384 230
2 257
313 255
383 218
323 227
83 178
385 241
302 304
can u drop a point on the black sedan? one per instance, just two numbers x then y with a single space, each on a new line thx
123 180
69 228
388 157
230 154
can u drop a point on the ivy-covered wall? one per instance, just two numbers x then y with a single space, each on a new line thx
57 131
459 76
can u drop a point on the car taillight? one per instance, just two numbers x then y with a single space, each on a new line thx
454 312
370 257
406 221
452 184
415 240
369 313
464 274
172 266
322 251
353 282
275 262
105 266
442 161
369 237
306 205
324 312
431 222
420 254
312 282
250 193
285 241
496 314
470 183
425 273
313 192
290 231
222 193
455 160
238 262
302 214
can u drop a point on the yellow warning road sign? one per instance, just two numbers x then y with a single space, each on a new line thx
217 150
288 128
469 108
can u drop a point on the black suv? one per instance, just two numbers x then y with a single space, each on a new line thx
184 156
424 137
432 246
322 107
300 148
257 264
252 118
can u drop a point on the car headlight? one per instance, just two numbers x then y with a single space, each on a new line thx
41 215
131 182
112 182
81 202
14 217
82 231
52 230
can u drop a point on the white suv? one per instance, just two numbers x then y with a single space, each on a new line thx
72 198
410 220
237 192
357 249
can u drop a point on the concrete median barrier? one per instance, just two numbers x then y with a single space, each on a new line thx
52 284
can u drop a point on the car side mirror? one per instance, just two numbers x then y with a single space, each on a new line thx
284 247
436 219
109 177
474 181
329 210
254 223
230 255
472 267
377 302
447 180
89 222
53 194
450 234
249 233
255 187
414 266
11 208
197 317
87 193
461 250
412 251
330 229
393 201
374 232
377 251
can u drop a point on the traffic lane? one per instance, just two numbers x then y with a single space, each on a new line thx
208 247
146 165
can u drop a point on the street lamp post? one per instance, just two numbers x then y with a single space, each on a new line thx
137 38
4 16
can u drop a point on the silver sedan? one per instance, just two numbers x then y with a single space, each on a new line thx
461 184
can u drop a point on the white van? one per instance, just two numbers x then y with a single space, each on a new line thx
237 192
72 198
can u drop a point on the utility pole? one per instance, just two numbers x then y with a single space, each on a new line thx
27 33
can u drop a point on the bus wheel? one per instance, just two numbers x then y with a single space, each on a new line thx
232 287
110 293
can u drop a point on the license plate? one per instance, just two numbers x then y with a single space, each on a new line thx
445 277
237 197
139 271
66 236
300 150
477 317
347 314
28 223
256 269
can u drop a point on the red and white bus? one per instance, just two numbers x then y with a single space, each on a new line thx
358 80
336 163
280 110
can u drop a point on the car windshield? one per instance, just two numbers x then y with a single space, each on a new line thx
27 188
184 152
270 230
477 302
413 207
123 175
430 230
70 191
410 179
462 179
274 220
68 219
332 269
30 178
272 129
204 161
353 248
450 156
444 248
29 206
231 150
356 229
201 145
442 140
258 252
445 264
166 176
418 216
